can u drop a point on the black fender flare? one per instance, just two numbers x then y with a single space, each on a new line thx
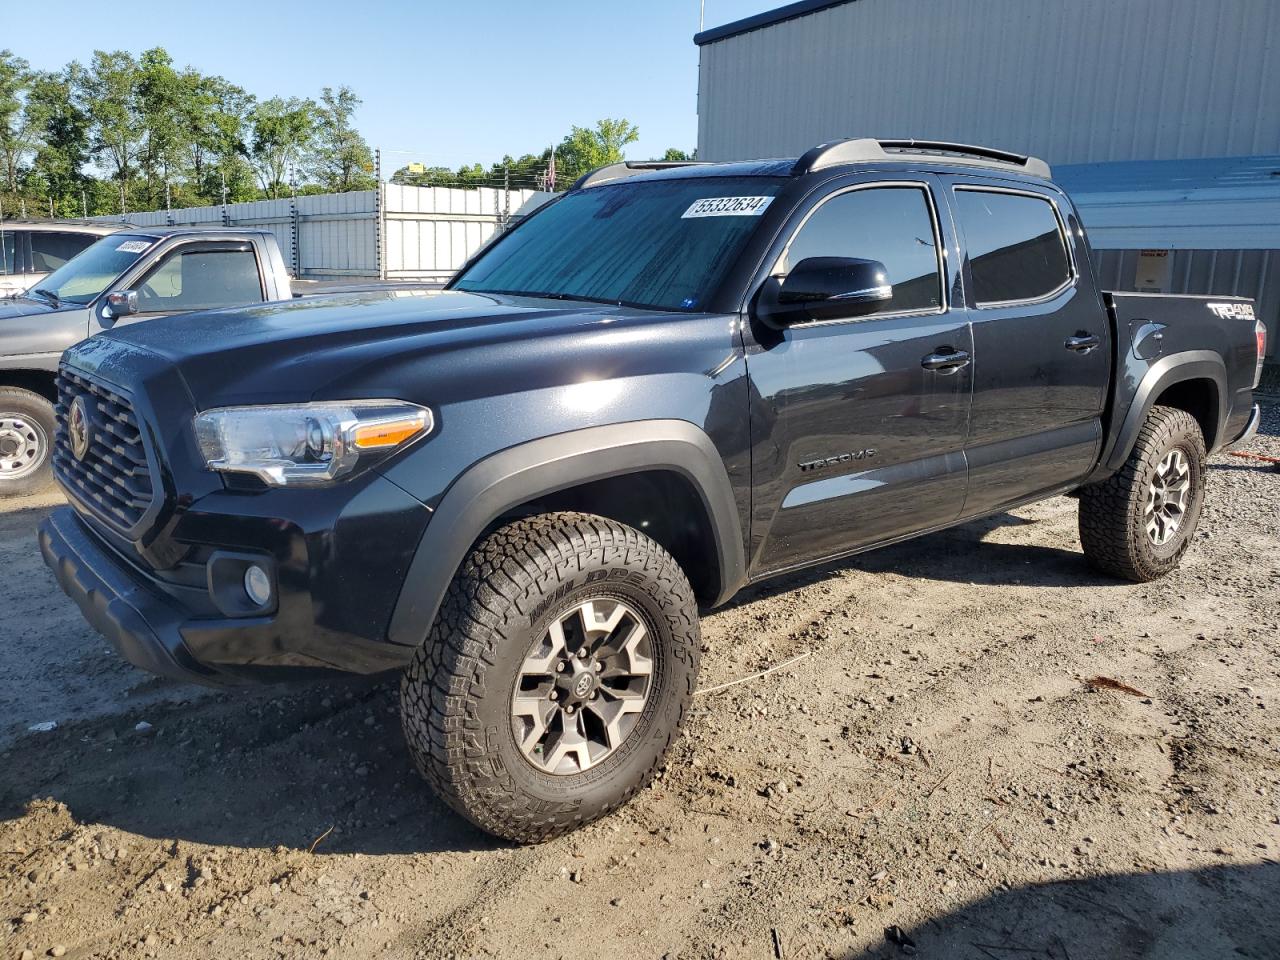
521 473
1164 373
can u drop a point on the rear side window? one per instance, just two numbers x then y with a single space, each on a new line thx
201 279
51 250
1016 247
7 249
893 225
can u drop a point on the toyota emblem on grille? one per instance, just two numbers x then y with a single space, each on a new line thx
78 427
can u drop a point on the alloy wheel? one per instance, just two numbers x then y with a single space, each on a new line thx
584 686
1167 497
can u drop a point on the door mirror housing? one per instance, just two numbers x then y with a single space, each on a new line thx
122 303
826 288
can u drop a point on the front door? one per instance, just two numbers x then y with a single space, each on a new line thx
197 275
1041 345
858 425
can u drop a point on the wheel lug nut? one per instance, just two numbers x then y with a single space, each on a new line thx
599 666
555 695
560 667
569 708
595 694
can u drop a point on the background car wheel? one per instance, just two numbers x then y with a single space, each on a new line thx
1138 523
26 439
556 676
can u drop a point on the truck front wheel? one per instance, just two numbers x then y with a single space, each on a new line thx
26 439
1138 523
556 676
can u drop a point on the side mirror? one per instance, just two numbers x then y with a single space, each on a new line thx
826 288
122 303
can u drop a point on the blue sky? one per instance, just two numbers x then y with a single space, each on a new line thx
447 83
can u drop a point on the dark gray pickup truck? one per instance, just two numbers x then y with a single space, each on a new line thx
125 277
667 384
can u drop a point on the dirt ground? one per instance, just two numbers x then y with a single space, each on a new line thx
936 776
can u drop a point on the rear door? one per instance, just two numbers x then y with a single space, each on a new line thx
858 425
1041 343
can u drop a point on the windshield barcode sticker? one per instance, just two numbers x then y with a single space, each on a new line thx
727 207
133 246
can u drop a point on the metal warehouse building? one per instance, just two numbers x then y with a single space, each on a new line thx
1162 117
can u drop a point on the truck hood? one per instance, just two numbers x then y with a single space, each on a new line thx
374 344
28 327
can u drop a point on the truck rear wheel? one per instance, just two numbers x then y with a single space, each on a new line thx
26 439
556 676
1138 523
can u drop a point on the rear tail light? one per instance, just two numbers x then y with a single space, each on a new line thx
1260 331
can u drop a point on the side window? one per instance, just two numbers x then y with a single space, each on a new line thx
8 246
891 224
201 279
1016 247
51 250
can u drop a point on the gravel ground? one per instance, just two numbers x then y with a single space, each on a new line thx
942 774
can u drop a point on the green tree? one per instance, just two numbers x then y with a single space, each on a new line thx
60 127
282 133
162 98
585 149
15 77
108 90
341 159
676 155
217 117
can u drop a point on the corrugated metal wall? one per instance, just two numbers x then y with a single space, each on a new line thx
1085 81
428 233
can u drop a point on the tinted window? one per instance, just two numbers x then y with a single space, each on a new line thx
658 243
7 245
201 280
50 250
889 224
1016 247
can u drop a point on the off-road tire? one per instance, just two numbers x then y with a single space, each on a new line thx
1112 526
37 411
456 694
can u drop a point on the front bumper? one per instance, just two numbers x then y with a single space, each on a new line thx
164 631
141 623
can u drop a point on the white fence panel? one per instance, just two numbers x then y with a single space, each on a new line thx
414 233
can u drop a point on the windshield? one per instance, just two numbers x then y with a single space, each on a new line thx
83 277
660 243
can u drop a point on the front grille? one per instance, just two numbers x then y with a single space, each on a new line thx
113 477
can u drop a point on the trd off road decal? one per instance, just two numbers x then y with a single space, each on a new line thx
727 207
1232 311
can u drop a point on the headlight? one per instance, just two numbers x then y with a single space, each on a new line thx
308 443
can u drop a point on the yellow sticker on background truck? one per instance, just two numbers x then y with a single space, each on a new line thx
727 207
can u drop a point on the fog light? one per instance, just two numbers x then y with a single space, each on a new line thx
257 585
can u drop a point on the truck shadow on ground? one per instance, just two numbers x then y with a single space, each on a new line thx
1224 911
252 768
959 555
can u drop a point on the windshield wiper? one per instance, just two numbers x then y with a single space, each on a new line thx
48 295
546 295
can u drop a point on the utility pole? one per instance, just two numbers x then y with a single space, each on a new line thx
702 14
84 204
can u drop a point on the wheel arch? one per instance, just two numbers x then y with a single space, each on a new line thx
1194 381
40 382
621 471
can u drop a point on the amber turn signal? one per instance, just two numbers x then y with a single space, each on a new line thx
390 433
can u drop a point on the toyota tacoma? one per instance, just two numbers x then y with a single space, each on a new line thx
670 382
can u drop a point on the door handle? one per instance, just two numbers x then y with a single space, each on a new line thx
1082 343
946 362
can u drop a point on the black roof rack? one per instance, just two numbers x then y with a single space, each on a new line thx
839 152
628 168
